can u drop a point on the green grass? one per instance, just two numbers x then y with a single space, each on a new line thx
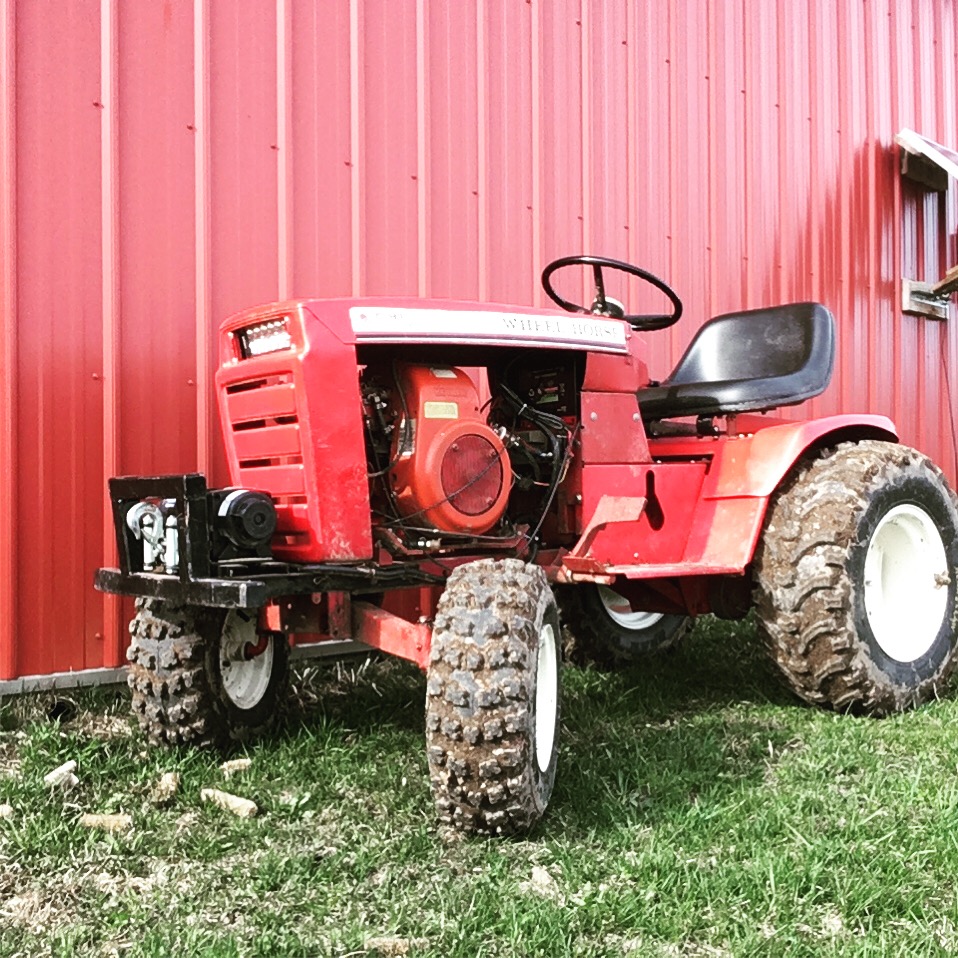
699 811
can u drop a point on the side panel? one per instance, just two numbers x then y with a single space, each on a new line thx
671 492
725 520
612 430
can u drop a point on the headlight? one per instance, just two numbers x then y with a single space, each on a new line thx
269 337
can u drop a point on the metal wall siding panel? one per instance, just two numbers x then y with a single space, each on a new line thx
926 42
948 53
948 133
452 184
166 164
759 93
244 154
689 198
655 148
422 175
851 164
903 107
726 157
59 378
284 160
389 156
8 341
924 119
508 161
482 121
877 207
608 53
535 140
321 147
103 644
560 126
243 174
202 215
157 259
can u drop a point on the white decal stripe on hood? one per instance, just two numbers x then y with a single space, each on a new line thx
392 324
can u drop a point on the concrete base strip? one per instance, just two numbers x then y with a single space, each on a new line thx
87 678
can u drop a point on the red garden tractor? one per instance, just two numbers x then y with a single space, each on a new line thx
447 482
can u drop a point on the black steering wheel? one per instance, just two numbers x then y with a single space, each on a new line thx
606 306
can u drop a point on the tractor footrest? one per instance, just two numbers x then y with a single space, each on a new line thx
673 570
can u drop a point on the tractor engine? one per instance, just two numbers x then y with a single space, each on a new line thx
448 470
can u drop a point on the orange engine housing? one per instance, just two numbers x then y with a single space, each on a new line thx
453 473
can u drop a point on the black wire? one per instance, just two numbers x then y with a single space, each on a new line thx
545 420
464 536
554 427
404 439
557 479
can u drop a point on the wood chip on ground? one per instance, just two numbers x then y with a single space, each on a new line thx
241 807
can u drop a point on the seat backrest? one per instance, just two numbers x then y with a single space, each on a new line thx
749 361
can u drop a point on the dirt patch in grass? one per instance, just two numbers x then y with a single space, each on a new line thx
103 727
392 947
37 911
10 743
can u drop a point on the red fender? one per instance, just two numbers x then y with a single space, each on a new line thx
718 533
755 462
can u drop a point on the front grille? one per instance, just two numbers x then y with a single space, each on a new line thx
267 447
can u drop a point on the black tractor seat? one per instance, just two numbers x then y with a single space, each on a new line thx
748 362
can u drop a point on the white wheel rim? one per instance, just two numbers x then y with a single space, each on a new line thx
621 612
245 680
906 583
547 696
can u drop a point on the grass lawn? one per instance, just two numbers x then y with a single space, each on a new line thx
699 811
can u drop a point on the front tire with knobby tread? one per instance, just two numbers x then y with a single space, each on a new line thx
836 598
492 697
176 677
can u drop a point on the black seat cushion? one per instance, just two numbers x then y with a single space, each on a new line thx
749 361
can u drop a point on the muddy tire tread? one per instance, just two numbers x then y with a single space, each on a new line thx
479 694
802 596
171 699
173 694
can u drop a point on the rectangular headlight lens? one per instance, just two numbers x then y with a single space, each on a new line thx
269 337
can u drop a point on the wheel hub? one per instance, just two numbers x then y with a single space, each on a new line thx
547 696
246 660
621 612
906 582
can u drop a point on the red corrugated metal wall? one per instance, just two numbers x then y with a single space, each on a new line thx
166 163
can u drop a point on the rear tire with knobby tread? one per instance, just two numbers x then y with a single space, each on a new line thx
492 697
596 637
816 563
176 680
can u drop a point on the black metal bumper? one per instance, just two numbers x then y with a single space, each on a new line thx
233 584
230 593
251 591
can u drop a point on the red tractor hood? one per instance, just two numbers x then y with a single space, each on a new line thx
357 321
